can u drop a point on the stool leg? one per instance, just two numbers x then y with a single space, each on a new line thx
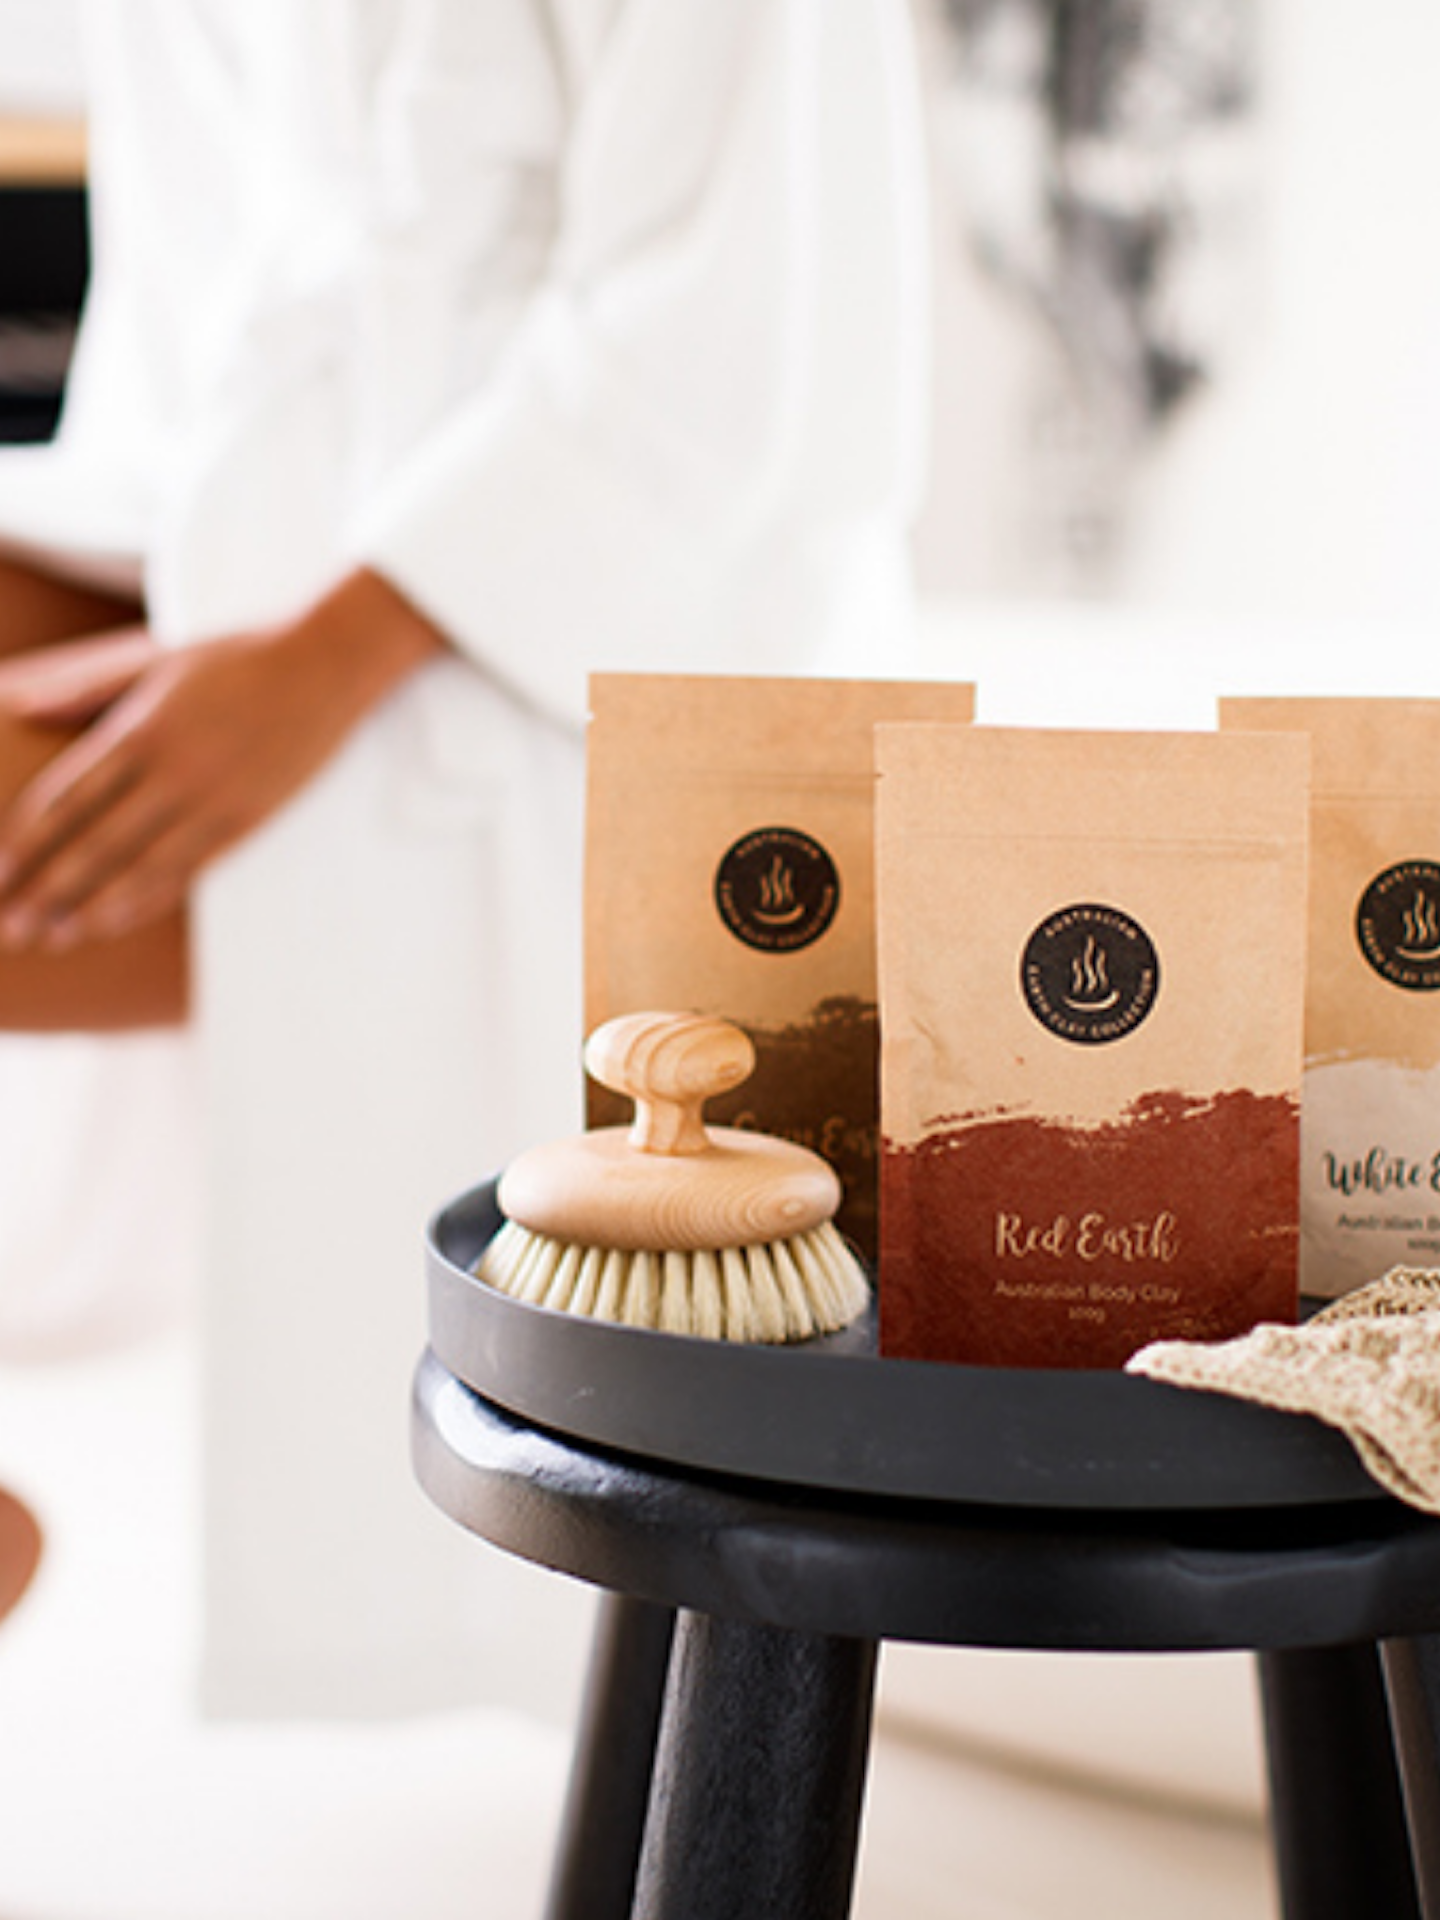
604 1819
1342 1848
1412 1675
760 1775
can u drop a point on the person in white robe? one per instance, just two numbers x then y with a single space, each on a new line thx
438 352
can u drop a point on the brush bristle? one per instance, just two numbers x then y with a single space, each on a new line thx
787 1290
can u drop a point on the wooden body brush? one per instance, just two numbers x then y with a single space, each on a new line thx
668 1224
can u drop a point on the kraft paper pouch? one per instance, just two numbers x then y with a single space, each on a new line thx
1370 1116
1091 953
730 870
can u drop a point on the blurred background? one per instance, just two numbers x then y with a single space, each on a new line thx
1186 405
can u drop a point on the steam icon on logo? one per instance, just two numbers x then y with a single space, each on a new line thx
777 905
1422 930
1090 988
1398 925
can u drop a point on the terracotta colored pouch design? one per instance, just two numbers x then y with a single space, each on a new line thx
1091 962
1370 1112
730 871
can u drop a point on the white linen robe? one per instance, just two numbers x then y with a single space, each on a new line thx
597 327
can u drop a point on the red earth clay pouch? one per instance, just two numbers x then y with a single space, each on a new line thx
1370 1112
1091 963
729 869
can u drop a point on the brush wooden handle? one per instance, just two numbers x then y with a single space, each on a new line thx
669 1064
669 1182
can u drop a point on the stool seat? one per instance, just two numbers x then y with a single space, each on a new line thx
888 1569
720 1767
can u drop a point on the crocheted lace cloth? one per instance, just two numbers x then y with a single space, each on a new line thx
1369 1364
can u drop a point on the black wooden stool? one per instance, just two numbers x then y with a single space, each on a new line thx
721 1763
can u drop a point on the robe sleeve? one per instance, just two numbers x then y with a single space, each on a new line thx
720 361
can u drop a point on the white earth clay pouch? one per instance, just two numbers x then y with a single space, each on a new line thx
1370 1113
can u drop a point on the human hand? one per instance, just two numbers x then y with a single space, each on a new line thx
184 753
70 682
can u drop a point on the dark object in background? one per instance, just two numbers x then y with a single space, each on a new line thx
44 265
1103 157
1133 115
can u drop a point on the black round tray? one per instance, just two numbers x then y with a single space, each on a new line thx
832 1414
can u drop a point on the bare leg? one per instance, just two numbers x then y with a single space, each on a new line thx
141 980
37 608
19 1550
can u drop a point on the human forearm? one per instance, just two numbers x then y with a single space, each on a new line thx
359 642
187 757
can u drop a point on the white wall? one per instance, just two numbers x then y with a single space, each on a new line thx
39 56
1306 484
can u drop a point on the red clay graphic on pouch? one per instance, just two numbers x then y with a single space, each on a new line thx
1027 1241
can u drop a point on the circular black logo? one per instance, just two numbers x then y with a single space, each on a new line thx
1398 925
777 889
1090 974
